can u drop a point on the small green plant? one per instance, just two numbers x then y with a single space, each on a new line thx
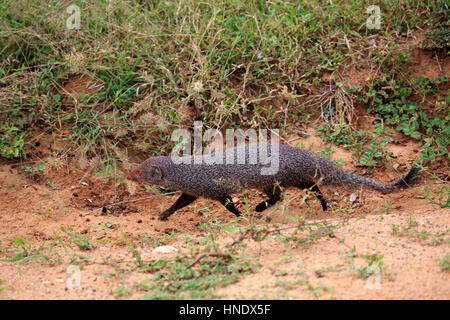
391 101
334 268
303 234
136 254
346 136
151 241
24 251
445 263
11 141
34 172
80 240
181 278
371 157
441 197
411 229
21 247
374 265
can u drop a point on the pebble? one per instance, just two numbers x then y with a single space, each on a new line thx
165 249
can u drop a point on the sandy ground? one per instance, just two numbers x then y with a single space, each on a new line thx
322 269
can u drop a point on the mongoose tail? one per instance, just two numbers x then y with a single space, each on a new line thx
348 178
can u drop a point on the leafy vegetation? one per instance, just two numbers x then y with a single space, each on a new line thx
125 80
445 263
390 101
11 141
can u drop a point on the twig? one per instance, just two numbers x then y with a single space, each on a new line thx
211 254
267 232
126 201
437 59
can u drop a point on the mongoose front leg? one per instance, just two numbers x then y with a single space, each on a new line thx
184 200
274 194
229 205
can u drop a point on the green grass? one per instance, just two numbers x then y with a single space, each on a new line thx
79 239
175 279
21 251
445 263
411 229
151 67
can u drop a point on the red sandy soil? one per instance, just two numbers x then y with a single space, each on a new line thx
36 211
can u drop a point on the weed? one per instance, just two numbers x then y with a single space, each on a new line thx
391 101
411 229
11 141
25 252
136 254
151 241
374 265
34 172
445 263
22 248
176 279
441 197
80 240
126 87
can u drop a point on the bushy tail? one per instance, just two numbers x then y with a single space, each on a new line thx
347 178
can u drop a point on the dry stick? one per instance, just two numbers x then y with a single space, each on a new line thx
126 201
211 254
437 59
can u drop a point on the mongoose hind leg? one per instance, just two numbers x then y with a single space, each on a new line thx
274 194
315 189
184 200
229 205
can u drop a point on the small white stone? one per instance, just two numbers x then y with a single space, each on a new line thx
353 198
165 249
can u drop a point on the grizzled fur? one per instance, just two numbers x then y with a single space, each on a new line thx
297 168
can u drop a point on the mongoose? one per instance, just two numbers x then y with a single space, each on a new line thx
197 177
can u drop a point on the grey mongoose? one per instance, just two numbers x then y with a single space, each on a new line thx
201 177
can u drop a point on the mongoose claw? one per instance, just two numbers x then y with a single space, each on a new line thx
163 216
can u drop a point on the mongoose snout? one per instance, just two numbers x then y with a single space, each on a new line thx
136 175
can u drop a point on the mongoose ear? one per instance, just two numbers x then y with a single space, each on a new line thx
158 171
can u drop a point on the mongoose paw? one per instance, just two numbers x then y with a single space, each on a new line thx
163 216
261 207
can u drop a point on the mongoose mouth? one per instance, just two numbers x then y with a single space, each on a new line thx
135 175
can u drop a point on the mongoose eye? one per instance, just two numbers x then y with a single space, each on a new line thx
157 172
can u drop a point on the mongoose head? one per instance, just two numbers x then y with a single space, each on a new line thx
147 173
